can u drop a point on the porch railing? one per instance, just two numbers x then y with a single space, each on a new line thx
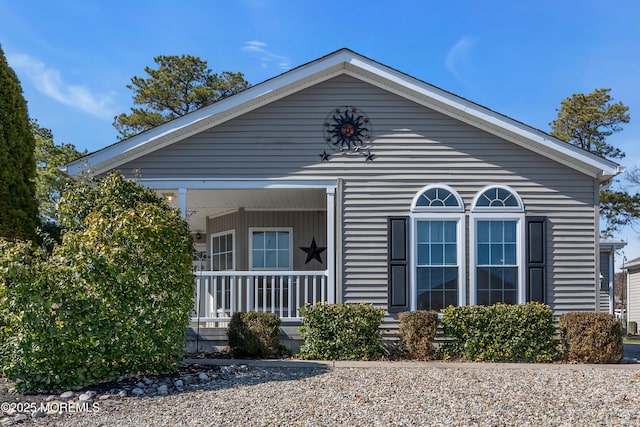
220 294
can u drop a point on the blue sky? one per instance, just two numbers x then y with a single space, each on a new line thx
520 58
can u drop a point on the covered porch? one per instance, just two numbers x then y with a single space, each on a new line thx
262 245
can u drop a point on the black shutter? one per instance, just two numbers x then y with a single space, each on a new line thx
536 266
398 250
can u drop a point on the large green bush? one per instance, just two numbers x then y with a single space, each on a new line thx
501 332
254 334
113 299
417 334
590 337
341 331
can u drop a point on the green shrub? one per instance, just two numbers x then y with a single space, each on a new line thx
502 332
113 299
254 334
341 331
591 337
417 334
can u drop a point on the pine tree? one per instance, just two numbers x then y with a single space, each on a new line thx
18 205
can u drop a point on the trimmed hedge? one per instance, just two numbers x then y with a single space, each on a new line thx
341 331
113 299
500 333
591 337
254 334
417 334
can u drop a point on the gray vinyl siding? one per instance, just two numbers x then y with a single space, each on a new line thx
634 294
413 147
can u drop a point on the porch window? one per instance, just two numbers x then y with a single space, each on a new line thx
270 249
497 229
438 227
222 251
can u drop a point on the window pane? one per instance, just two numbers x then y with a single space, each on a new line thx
283 259
270 259
482 278
496 255
510 254
258 258
270 240
216 263
229 265
483 254
423 232
510 278
437 254
510 297
258 240
484 298
423 254
451 279
450 231
437 231
510 231
450 254
483 231
450 298
283 240
496 231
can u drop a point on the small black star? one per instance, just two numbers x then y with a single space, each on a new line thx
313 251
324 156
369 156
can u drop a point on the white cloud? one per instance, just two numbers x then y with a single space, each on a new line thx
458 55
258 50
49 82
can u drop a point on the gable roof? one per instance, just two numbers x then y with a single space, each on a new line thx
344 61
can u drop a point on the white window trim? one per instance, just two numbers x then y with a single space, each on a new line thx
413 253
261 229
233 246
520 249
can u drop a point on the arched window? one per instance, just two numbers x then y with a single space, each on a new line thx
497 252
437 249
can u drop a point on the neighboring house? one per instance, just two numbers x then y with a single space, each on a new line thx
344 180
608 248
633 292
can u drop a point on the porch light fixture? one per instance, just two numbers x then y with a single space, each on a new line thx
170 197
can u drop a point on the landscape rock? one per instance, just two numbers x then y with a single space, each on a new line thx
67 395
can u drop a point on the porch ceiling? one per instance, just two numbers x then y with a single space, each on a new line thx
212 202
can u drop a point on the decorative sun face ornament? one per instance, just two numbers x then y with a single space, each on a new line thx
347 130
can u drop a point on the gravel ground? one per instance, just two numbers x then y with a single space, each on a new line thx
386 393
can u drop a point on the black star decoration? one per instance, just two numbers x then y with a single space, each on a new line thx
313 251
324 156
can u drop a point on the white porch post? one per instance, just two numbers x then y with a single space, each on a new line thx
182 201
331 242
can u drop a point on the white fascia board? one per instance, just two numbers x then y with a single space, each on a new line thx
481 117
235 183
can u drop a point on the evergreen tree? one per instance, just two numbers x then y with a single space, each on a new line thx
18 205
586 121
180 85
